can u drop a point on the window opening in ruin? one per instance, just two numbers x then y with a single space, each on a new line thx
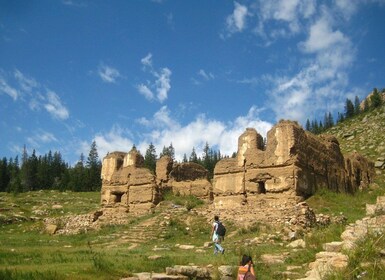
261 187
118 197
119 163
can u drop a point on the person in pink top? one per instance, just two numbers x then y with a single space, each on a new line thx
246 269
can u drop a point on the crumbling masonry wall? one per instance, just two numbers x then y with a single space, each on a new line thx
289 168
130 187
292 166
127 184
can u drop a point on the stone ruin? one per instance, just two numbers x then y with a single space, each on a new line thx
127 185
294 163
261 179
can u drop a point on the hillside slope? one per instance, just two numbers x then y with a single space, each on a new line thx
364 134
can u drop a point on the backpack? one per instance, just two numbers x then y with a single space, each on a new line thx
221 230
249 275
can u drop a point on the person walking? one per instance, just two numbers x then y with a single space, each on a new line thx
217 237
246 269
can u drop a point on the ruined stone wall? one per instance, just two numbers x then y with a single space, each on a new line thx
294 163
186 178
111 163
291 167
127 184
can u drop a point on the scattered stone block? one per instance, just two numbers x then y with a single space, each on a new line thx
51 229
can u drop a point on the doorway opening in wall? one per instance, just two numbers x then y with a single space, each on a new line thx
118 197
261 187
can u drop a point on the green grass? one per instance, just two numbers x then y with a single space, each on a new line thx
26 252
353 207
188 201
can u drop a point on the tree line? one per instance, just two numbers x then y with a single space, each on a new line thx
351 109
208 160
49 171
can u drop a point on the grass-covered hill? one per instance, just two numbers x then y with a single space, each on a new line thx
153 242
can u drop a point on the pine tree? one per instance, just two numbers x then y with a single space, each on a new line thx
4 174
78 176
169 151
94 167
185 158
349 108
15 180
326 121
308 125
150 158
375 99
207 160
193 156
320 127
357 108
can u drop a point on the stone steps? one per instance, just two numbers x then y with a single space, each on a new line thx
332 258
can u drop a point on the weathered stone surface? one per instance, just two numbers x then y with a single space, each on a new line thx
157 276
335 246
228 202
126 183
265 182
141 194
189 178
191 271
51 229
141 208
294 161
273 259
111 163
297 244
186 247
226 270
379 164
163 169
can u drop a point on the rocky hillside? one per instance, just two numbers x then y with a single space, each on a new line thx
364 134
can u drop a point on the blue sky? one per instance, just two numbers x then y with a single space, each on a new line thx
180 72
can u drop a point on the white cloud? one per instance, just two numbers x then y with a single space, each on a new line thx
55 107
163 129
108 74
287 16
147 60
26 84
322 37
161 85
41 137
162 119
7 89
317 88
287 10
222 136
206 76
74 3
117 139
145 91
236 22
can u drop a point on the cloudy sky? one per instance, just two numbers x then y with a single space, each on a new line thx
180 72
